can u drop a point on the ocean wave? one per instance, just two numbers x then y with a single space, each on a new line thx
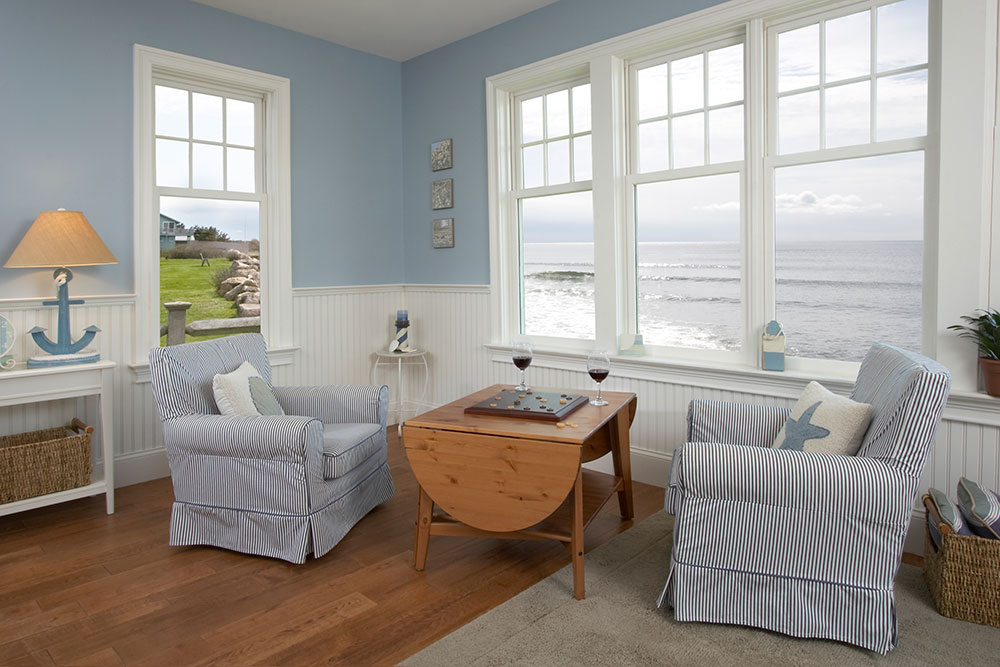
680 298
698 279
661 265
561 275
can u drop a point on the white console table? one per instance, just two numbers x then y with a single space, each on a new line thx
34 385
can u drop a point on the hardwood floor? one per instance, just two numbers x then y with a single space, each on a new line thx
78 587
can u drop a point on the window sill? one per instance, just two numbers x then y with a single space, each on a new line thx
963 405
280 356
728 377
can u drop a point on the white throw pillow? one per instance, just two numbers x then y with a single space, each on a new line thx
823 422
244 392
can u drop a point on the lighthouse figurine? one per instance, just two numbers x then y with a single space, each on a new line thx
772 347
401 342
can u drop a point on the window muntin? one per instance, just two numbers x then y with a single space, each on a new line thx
554 137
204 141
689 110
831 92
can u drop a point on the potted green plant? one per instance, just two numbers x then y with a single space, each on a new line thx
985 330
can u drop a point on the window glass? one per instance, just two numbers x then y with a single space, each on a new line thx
848 255
555 137
192 228
557 258
688 262
898 100
679 141
209 243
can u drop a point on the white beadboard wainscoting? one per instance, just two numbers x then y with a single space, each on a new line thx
337 330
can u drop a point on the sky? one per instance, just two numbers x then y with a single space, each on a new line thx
875 198
238 219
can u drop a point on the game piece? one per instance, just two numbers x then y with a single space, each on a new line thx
493 405
562 401
560 425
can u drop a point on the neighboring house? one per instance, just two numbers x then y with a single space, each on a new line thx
170 229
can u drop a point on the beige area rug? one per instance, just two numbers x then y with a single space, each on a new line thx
618 623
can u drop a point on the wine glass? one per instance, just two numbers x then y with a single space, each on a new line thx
521 354
599 367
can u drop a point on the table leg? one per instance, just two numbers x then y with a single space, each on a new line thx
576 537
399 396
423 529
622 457
107 439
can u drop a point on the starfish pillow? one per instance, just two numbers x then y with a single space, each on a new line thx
823 422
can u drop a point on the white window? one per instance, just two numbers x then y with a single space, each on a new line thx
846 154
745 168
207 173
555 211
687 112
211 162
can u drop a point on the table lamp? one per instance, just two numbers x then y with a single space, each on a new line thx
61 239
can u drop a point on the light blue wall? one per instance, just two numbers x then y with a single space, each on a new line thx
66 133
444 96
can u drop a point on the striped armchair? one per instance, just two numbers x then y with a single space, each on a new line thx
278 486
801 543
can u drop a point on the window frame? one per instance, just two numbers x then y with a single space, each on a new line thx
772 160
608 66
521 193
153 66
634 178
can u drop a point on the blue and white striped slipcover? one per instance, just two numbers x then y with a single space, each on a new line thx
795 542
278 486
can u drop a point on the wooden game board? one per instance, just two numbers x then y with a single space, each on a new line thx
547 405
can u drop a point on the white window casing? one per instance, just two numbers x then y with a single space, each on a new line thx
960 187
273 173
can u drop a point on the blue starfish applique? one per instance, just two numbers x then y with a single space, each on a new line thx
797 431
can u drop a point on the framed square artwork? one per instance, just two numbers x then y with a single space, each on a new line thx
443 233
442 194
441 155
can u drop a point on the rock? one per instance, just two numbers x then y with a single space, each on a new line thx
248 297
234 254
243 273
229 283
248 310
236 291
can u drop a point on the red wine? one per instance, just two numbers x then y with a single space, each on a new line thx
599 374
524 362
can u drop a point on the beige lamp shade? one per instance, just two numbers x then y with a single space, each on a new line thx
60 238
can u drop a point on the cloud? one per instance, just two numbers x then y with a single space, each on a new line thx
807 202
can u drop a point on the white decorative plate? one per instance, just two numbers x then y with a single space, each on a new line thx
7 336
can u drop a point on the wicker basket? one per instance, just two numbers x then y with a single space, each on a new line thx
963 574
41 462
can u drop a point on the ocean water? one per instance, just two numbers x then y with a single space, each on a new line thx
833 299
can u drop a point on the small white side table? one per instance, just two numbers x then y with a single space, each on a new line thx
34 385
410 358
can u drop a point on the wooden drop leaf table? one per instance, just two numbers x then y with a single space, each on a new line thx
502 477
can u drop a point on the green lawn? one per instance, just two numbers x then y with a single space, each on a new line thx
187 280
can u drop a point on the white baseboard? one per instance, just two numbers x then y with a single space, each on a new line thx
141 467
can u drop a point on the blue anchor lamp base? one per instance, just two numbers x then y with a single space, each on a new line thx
64 350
